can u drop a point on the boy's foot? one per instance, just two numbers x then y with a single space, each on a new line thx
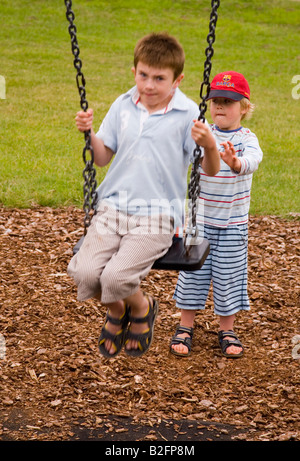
231 346
140 332
112 334
181 342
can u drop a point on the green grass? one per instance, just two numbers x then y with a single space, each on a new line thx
41 149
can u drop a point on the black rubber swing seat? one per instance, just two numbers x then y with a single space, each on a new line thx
176 258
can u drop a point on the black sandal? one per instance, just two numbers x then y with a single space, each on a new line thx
185 341
116 339
144 339
225 343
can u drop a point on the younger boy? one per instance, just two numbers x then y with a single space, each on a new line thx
150 133
226 199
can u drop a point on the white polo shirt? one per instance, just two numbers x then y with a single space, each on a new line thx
148 173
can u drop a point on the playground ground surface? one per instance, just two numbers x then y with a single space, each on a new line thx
55 386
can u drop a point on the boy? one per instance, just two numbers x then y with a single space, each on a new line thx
226 199
150 133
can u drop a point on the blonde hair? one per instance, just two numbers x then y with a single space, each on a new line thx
160 50
247 105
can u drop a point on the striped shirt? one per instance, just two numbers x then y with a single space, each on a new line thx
226 196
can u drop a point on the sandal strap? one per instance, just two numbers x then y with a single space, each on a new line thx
182 329
185 341
223 333
117 340
225 343
149 316
118 321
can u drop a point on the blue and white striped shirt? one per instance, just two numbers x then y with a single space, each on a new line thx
226 196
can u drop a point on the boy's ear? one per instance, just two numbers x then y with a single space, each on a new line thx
244 110
178 80
133 70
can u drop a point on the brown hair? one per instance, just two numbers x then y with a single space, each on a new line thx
160 50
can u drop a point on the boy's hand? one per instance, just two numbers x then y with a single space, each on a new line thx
84 120
202 135
229 156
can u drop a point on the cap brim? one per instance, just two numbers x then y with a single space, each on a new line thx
225 94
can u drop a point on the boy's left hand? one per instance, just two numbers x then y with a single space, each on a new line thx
229 156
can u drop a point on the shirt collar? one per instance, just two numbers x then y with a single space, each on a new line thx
178 101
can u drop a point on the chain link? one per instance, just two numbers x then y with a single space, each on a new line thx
194 184
89 172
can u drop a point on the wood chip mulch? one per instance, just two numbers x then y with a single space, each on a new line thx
54 381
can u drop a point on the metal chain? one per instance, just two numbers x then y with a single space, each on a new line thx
194 185
89 172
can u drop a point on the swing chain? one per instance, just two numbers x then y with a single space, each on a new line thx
209 52
194 185
89 172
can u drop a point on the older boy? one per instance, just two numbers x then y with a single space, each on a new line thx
149 133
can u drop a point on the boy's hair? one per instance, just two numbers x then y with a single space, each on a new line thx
160 50
246 104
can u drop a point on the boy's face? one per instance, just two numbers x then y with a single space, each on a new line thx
155 86
226 114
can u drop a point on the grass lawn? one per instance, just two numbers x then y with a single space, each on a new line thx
41 149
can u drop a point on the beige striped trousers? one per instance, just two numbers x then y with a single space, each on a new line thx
117 253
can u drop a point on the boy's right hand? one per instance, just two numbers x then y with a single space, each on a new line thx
202 135
84 120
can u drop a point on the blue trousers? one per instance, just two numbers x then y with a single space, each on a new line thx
225 267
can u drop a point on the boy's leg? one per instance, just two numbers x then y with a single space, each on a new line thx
132 262
191 293
230 279
123 274
100 243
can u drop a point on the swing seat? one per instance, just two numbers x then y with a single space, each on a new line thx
176 257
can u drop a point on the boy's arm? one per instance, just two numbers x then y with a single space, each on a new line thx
250 159
102 154
203 136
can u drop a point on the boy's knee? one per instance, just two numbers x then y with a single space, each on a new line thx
115 286
85 277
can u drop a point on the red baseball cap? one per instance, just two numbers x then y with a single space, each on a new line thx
230 85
